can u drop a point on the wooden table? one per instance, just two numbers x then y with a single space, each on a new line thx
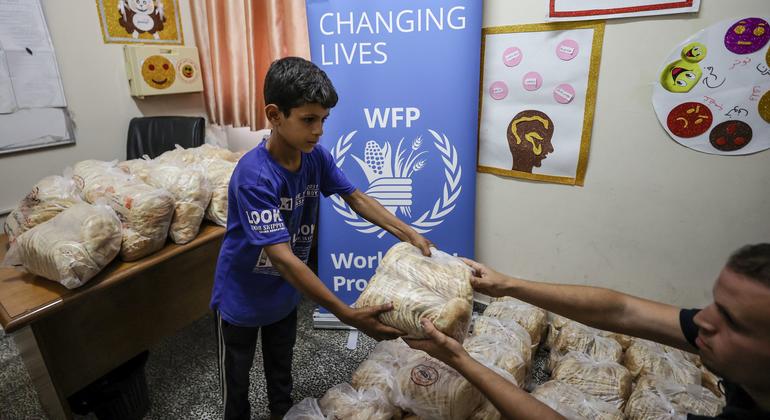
69 338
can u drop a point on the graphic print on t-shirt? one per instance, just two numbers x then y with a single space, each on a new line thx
265 221
293 212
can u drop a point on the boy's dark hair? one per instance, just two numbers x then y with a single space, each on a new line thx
752 261
293 81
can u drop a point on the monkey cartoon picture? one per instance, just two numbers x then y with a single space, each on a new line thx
139 16
140 21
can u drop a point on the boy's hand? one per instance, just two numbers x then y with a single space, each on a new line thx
486 280
366 320
438 344
421 242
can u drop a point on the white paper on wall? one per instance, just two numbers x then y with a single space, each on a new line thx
713 91
563 10
537 100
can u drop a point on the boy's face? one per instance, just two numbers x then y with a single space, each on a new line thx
303 128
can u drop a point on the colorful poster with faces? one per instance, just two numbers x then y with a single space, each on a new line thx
538 91
140 21
713 91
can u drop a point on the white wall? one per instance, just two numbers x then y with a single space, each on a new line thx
654 219
96 87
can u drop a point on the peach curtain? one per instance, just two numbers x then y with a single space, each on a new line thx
237 40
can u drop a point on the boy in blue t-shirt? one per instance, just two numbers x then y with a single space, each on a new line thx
273 202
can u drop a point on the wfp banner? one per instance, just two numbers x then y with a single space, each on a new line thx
404 129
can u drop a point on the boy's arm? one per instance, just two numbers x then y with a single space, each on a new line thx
510 400
594 306
303 279
374 212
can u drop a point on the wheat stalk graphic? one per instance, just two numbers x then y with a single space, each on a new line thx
390 176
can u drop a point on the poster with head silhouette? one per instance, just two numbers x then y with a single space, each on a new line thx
538 90
713 90
140 21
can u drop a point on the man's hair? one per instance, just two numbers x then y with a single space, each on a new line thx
293 81
752 261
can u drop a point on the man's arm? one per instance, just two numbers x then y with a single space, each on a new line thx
594 306
510 400
373 211
298 274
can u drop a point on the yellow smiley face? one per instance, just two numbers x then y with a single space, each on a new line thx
158 72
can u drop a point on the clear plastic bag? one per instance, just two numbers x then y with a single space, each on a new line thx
659 398
532 318
145 211
436 287
70 248
606 380
217 169
516 337
573 403
342 401
49 197
555 324
379 370
496 350
434 391
649 358
577 337
188 185
306 409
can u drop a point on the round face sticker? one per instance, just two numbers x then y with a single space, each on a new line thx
567 49
187 70
424 375
690 119
694 52
764 107
564 93
158 72
730 135
680 76
532 81
498 90
512 57
747 35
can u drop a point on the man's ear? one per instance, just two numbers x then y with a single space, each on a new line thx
273 114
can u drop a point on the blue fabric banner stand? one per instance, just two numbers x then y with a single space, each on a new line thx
404 130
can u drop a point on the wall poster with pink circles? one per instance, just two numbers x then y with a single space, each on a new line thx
537 99
713 90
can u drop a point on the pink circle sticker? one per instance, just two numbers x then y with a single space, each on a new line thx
532 81
564 93
498 90
512 56
567 49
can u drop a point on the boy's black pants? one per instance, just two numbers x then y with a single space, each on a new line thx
236 347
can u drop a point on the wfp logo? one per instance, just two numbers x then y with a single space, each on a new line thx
390 177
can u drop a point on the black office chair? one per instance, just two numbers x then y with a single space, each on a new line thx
154 135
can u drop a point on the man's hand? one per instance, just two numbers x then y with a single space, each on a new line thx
366 320
438 344
486 280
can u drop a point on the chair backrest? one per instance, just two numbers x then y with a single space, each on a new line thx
154 135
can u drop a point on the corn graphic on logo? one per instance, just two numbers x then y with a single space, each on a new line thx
390 177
